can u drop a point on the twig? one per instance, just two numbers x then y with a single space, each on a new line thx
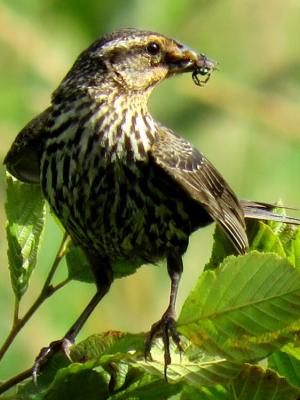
16 311
15 380
46 292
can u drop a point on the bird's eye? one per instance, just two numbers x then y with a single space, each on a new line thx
153 48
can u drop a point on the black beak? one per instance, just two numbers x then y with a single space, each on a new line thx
181 59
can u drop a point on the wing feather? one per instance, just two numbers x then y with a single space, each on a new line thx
22 160
198 177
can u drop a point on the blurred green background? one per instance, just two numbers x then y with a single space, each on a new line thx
246 121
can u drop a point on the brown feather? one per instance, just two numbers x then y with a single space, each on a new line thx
199 178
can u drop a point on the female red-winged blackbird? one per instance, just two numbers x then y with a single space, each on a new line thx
126 188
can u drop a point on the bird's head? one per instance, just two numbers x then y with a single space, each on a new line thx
136 60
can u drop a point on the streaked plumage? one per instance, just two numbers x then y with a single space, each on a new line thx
125 187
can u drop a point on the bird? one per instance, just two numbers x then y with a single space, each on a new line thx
127 189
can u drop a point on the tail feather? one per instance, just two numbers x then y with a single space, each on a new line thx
265 211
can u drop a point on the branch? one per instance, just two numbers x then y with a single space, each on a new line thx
15 380
45 293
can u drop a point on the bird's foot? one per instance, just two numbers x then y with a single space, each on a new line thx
47 352
165 328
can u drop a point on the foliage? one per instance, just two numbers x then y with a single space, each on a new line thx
239 327
246 121
25 210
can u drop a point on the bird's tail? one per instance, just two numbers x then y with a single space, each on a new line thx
267 212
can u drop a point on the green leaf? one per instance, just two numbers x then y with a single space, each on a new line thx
203 370
263 238
91 381
292 348
119 359
25 210
246 309
292 247
216 392
222 248
111 342
193 366
122 268
78 265
257 383
276 237
287 366
33 391
147 388
77 382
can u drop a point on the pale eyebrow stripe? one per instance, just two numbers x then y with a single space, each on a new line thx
122 43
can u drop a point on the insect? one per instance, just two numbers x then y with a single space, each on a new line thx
203 71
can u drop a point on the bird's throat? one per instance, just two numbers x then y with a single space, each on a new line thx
126 128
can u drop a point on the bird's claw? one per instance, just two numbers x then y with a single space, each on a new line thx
165 328
47 352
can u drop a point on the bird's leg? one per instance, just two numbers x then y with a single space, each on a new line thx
165 327
103 276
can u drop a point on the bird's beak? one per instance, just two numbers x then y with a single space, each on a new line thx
181 59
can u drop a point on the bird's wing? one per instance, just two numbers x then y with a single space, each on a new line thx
198 177
268 212
22 160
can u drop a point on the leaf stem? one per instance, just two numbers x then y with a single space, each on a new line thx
16 312
60 254
60 285
46 292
